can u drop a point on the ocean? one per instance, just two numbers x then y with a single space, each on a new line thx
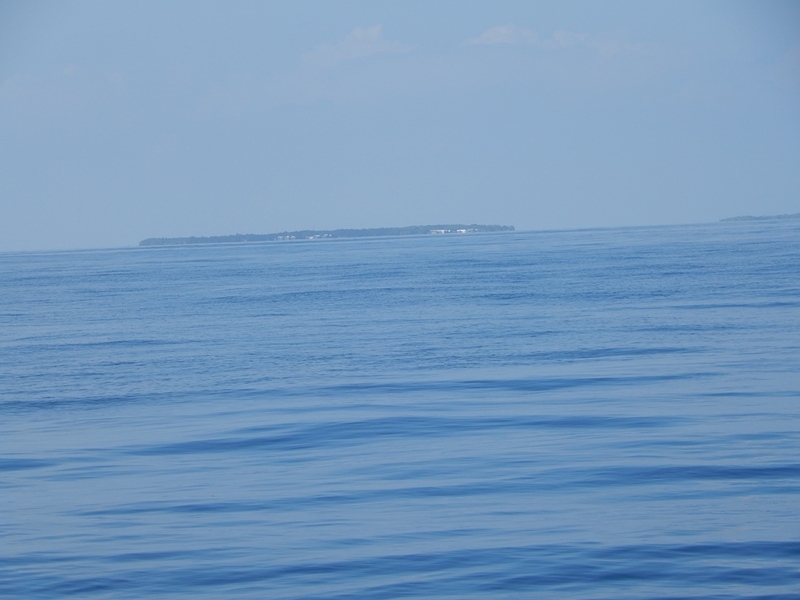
609 413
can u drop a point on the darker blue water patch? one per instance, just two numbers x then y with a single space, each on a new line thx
516 385
375 430
628 476
23 464
752 394
76 403
760 305
585 354
104 345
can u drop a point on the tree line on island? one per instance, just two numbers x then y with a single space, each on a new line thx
312 234
762 218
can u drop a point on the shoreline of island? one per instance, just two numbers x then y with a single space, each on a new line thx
761 218
314 234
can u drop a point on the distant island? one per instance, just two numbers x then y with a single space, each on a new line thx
762 218
312 234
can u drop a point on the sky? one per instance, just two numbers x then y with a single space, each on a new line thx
121 121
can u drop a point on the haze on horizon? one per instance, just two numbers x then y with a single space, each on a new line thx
126 120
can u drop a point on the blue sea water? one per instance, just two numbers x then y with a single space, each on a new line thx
576 414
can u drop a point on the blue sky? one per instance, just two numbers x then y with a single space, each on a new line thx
126 120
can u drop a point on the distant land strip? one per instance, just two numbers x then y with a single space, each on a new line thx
762 218
312 234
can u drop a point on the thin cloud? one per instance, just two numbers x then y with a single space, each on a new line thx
359 43
506 34
513 35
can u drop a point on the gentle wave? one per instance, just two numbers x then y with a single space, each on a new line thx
575 570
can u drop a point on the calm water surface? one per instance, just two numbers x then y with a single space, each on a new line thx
584 414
